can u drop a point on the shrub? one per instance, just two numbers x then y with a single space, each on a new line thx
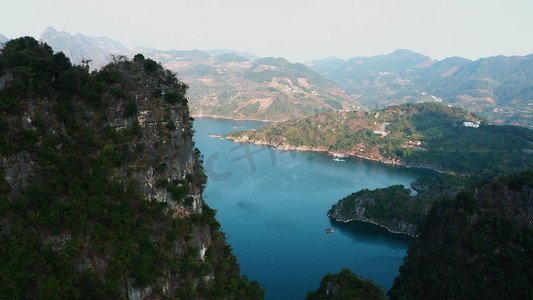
130 109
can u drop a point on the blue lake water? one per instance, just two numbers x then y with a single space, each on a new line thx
272 206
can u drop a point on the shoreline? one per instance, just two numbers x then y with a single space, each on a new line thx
373 223
324 150
383 160
234 119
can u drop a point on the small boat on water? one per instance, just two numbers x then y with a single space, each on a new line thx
338 160
330 230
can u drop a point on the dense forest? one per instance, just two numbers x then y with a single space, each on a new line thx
393 208
476 245
100 193
396 207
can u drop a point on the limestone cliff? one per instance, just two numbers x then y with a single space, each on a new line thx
101 186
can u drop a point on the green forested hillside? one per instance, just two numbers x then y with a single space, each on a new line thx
100 186
477 245
391 135
396 207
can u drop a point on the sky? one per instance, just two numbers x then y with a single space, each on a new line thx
298 30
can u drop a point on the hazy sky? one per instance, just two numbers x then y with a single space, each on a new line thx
299 30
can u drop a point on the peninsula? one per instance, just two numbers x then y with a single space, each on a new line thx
425 135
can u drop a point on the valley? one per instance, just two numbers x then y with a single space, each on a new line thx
102 185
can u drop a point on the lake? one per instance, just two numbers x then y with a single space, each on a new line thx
272 206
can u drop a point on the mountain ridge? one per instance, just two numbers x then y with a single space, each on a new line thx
228 84
499 87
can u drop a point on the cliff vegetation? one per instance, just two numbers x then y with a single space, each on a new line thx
393 208
476 245
101 186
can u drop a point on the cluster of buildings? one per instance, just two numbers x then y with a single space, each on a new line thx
414 143
471 124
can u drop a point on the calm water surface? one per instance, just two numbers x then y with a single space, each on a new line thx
272 205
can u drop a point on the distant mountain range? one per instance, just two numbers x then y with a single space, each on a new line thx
80 47
223 83
3 39
216 52
500 88
232 84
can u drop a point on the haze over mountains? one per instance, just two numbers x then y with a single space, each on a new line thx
500 88
3 39
232 84
223 83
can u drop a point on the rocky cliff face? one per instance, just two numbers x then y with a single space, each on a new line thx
101 186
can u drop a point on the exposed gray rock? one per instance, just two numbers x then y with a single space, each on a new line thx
18 169
137 293
4 79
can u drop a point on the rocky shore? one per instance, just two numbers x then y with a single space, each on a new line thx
280 146
287 147
236 119
358 214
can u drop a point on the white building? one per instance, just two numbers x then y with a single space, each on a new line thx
471 124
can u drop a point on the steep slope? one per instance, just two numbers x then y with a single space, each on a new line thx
393 208
396 208
478 245
498 87
101 187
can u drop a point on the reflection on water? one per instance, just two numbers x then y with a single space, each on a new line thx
362 232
